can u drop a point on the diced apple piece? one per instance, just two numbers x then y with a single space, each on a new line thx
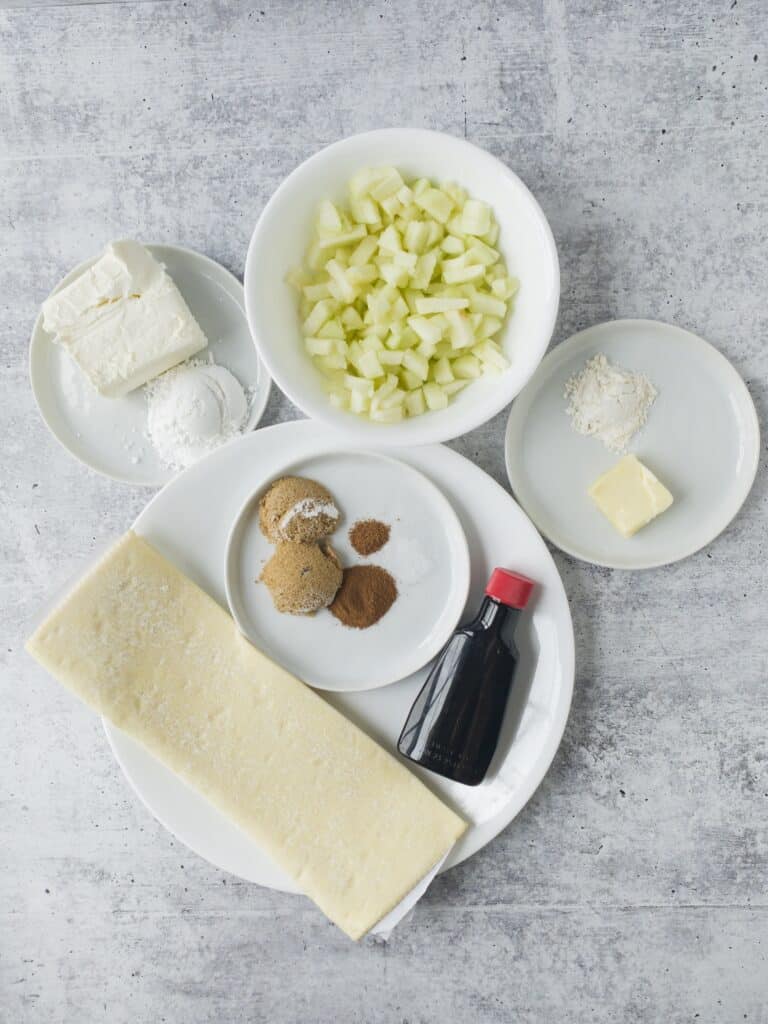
400 310
318 346
389 240
457 193
321 311
331 329
371 343
364 210
487 305
351 319
362 182
479 252
490 354
392 401
388 415
332 362
443 372
360 384
414 403
358 277
359 401
329 218
452 245
439 305
388 184
394 275
436 203
425 268
410 380
427 329
460 328
345 238
416 363
408 260
475 217
348 292
364 251
315 292
458 275
416 235
435 397
490 325
370 366
436 233
467 367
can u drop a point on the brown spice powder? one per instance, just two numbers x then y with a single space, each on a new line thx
367 592
368 536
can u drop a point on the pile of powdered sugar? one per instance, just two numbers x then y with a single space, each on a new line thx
193 409
608 402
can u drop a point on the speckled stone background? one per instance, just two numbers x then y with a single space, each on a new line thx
633 886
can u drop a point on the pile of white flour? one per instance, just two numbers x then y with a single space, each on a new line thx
609 403
192 409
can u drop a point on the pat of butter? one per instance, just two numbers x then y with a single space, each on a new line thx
630 496
123 320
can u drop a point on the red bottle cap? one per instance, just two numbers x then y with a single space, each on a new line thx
510 588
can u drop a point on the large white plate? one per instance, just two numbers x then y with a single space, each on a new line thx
702 440
189 522
426 553
109 434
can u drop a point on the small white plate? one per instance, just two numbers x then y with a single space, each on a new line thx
109 434
426 553
702 440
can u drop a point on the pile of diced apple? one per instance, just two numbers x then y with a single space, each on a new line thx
403 295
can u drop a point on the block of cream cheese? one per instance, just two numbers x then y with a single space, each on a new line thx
630 496
144 646
123 320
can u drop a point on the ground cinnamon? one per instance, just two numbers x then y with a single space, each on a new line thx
367 592
368 536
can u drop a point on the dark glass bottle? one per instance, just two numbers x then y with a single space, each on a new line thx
453 727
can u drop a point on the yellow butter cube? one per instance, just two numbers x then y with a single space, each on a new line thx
630 496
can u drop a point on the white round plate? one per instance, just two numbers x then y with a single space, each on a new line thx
426 553
702 440
498 533
109 434
284 230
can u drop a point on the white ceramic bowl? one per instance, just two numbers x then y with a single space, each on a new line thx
283 233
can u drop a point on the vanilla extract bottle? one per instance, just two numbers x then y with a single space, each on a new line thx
453 727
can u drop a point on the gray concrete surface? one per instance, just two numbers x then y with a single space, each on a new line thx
633 886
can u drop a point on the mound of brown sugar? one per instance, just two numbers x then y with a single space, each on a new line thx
302 577
367 592
294 508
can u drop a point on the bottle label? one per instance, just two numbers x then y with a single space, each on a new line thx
445 756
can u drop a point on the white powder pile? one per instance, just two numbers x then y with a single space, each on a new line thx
405 559
192 409
609 403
